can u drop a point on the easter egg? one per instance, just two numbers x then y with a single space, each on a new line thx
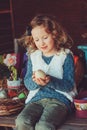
21 95
40 74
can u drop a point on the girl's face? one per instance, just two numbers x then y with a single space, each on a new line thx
44 41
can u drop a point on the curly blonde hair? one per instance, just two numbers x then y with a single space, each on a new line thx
61 37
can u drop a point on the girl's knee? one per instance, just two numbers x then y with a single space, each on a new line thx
23 124
19 120
41 125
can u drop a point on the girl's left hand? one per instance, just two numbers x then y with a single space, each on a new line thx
40 81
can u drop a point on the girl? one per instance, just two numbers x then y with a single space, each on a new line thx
49 99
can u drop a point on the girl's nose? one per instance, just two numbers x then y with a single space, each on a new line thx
42 42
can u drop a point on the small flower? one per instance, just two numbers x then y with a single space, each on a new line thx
10 60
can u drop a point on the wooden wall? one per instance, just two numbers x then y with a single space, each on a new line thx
6 26
71 13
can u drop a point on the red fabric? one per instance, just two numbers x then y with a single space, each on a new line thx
75 58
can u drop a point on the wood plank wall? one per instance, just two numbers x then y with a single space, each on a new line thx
6 29
71 13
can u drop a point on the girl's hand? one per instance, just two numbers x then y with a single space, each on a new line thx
40 81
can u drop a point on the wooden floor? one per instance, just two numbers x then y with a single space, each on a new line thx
72 123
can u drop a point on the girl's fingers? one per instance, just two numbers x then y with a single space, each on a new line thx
40 81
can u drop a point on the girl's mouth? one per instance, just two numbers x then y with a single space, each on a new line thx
43 48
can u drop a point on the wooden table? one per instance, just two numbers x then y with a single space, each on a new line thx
72 123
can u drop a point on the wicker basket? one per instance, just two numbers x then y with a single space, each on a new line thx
10 106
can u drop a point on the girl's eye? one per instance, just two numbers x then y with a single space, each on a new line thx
45 37
36 40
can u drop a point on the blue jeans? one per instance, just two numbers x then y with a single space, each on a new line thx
45 114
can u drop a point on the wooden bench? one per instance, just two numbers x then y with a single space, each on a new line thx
71 123
74 123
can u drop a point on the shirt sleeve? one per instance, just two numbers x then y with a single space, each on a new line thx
28 82
67 83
